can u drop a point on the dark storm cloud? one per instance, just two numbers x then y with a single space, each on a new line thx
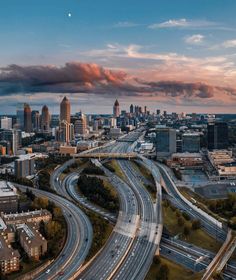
75 77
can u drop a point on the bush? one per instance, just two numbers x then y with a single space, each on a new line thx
186 216
186 231
180 221
163 272
156 260
196 224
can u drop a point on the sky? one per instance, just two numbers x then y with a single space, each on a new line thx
178 56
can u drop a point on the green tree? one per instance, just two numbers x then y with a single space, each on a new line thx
186 231
180 221
196 224
163 272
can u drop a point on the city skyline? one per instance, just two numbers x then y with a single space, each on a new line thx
184 59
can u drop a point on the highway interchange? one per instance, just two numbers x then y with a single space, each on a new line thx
136 238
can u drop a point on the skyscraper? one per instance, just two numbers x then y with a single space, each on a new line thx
35 120
20 116
65 110
27 118
217 135
131 109
191 142
45 119
165 141
116 109
81 125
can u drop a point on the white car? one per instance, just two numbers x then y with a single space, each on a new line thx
47 271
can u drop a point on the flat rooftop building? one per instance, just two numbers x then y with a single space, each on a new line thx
9 258
27 217
31 240
8 198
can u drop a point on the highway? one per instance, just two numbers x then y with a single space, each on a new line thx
109 259
140 256
78 241
192 257
211 225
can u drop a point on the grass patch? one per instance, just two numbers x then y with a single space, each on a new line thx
114 167
197 237
200 202
176 271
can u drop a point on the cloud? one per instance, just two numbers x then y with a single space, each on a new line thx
229 44
73 77
195 39
92 79
126 24
185 24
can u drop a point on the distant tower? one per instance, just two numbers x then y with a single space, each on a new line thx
45 119
27 118
35 120
131 109
116 109
65 110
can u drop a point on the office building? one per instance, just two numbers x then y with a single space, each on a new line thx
24 166
13 137
45 119
131 109
6 123
165 141
65 133
27 118
217 135
8 198
35 120
81 125
20 116
191 142
116 109
65 110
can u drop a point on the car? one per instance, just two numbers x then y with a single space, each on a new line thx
48 270
61 273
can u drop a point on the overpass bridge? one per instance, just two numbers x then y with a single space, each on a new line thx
222 257
108 155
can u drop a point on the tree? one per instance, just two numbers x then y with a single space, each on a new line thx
196 224
163 272
156 260
180 221
186 231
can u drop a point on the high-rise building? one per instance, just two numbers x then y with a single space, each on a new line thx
27 118
165 141
6 123
191 142
45 119
24 166
217 135
65 133
116 109
20 116
81 125
65 110
35 120
13 137
131 109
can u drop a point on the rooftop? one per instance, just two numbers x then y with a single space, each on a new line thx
7 189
